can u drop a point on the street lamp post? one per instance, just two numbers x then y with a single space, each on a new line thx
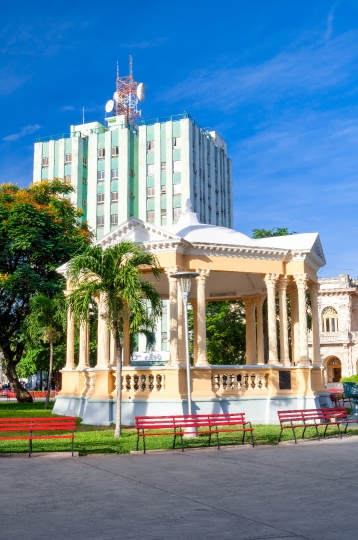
184 279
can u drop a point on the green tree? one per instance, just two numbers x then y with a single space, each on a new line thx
267 233
225 330
114 275
39 231
47 323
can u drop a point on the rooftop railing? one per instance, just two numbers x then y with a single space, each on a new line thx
60 136
175 118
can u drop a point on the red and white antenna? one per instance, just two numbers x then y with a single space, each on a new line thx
128 93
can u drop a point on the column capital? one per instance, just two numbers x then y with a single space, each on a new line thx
270 279
301 280
171 270
248 300
283 283
259 300
203 274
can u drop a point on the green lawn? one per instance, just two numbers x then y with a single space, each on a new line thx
100 440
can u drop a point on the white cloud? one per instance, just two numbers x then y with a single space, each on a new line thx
26 130
66 108
300 69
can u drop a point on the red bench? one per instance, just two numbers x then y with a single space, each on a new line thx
327 416
38 425
148 426
339 400
5 393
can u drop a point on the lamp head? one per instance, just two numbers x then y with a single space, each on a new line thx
184 279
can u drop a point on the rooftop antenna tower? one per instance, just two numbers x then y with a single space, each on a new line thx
128 93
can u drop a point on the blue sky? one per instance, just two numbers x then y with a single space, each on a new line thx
278 80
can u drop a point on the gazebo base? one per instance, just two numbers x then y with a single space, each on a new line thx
258 390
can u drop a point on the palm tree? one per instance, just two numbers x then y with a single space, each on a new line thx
46 322
114 275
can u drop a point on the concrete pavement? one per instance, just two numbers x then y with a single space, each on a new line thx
308 491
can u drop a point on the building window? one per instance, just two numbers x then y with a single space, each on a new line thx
68 159
176 189
45 162
176 166
150 192
163 190
150 170
114 196
150 216
163 166
101 153
100 176
163 212
115 151
150 146
100 198
68 179
84 202
176 142
131 172
164 336
100 221
114 174
329 320
114 219
84 161
176 214
194 168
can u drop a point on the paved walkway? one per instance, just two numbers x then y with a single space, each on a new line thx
287 492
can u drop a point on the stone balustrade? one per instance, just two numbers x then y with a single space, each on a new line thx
234 382
141 382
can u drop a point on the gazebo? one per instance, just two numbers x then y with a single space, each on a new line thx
230 266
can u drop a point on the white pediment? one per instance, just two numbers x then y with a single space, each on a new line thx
137 231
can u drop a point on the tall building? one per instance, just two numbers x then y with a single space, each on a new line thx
147 171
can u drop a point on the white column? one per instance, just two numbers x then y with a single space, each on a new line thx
316 345
259 300
251 354
126 342
84 346
112 349
301 281
201 318
173 317
295 326
194 306
284 349
270 280
181 343
103 359
70 348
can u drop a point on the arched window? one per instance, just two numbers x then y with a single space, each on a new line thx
329 320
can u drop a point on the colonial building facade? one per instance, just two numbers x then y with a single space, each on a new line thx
338 312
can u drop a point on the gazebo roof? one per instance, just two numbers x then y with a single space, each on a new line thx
189 236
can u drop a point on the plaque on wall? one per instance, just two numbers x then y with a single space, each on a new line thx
284 379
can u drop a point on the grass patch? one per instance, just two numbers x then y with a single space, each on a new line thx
100 439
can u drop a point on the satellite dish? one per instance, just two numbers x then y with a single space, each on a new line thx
116 97
109 105
141 91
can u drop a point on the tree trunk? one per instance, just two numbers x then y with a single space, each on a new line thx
21 393
118 430
49 377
